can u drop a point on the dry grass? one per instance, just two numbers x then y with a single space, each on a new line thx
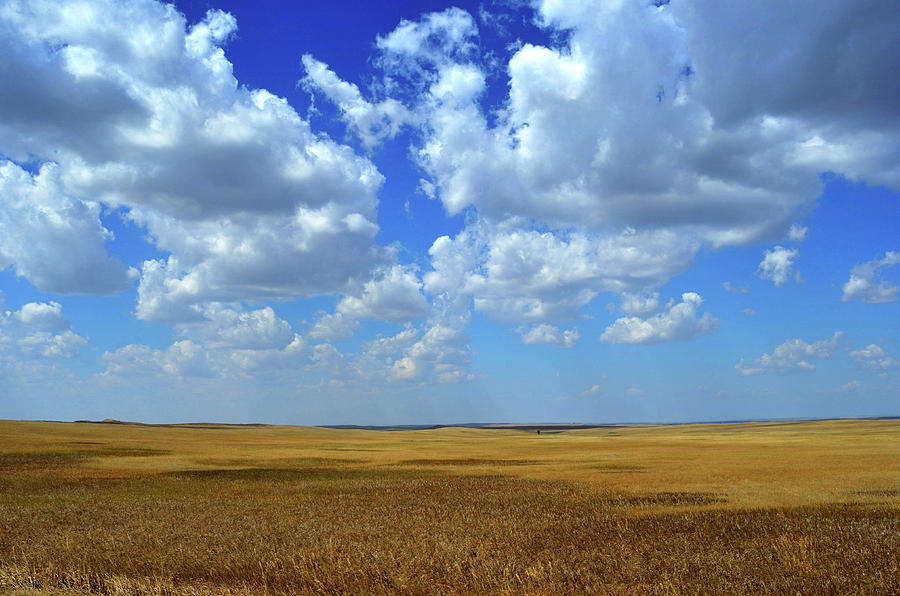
753 508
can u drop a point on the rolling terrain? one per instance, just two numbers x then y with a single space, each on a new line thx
217 509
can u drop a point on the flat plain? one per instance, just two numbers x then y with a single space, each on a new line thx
798 507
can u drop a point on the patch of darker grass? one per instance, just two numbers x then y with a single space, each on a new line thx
469 462
279 474
620 468
263 474
11 462
883 492
127 452
54 460
672 499
280 463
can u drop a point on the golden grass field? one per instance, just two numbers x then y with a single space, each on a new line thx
807 507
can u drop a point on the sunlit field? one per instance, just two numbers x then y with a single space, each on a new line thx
809 507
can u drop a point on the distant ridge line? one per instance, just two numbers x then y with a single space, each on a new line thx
529 426
550 426
489 426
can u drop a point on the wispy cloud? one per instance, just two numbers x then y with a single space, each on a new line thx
728 287
864 284
793 354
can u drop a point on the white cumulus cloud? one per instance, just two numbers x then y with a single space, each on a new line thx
637 304
38 330
637 84
247 200
183 359
550 335
631 122
394 294
776 264
874 357
42 316
516 275
797 233
53 239
864 283
371 122
677 322
793 354
224 327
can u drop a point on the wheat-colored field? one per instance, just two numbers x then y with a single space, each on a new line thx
807 507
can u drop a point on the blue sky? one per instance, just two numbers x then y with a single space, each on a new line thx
435 213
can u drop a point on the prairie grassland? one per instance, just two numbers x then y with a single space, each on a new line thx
811 507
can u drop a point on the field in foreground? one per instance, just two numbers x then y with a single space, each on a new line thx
811 507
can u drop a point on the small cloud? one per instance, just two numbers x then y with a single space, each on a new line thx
864 285
749 312
726 285
793 354
874 357
549 335
797 233
745 370
593 390
405 368
427 188
870 351
633 391
42 316
849 386
39 329
676 322
776 265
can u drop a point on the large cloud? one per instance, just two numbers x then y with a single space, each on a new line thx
641 135
516 274
142 113
623 124
659 119
828 62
